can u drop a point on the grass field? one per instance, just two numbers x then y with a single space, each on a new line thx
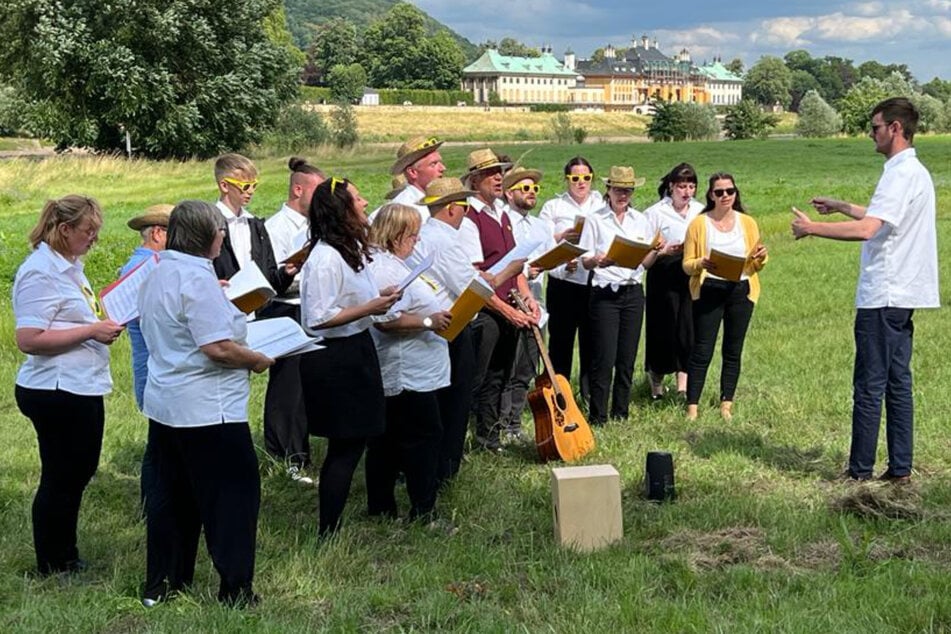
762 536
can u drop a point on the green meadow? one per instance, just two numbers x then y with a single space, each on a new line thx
763 536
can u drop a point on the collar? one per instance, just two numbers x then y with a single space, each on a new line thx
297 219
186 258
230 215
59 262
901 157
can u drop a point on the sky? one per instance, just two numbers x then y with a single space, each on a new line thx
912 32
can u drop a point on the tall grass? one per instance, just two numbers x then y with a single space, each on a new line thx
761 538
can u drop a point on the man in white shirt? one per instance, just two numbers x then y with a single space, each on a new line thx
899 273
420 163
285 422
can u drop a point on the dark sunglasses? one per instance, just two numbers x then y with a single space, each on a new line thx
729 191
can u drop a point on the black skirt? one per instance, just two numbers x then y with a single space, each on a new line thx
343 389
669 317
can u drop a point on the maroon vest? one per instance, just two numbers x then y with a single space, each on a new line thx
496 241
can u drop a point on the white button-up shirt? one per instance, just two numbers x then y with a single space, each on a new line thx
415 361
900 262
409 196
561 212
182 308
600 228
287 230
239 232
52 293
670 224
327 286
452 269
528 229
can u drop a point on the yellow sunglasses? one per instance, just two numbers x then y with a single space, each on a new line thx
93 302
245 186
574 178
526 188
431 141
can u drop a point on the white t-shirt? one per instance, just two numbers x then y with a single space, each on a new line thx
452 269
415 361
560 213
182 308
671 225
732 242
600 228
409 196
899 267
52 293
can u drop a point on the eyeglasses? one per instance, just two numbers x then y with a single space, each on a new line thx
876 126
461 204
574 178
244 186
526 188
431 141
720 193
90 231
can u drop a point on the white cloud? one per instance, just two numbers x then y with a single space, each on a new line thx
784 32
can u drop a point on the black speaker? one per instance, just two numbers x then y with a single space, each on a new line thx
659 476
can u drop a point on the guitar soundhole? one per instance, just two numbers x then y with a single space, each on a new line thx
560 402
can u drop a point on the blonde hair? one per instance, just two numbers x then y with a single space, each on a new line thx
233 165
392 223
69 210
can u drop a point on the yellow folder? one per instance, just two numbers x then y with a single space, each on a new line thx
472 300
630 253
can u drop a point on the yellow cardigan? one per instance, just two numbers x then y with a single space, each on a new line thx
695 248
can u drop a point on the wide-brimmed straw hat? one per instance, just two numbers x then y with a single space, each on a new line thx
154 216
397 184
413 150
519 174
442 191
481 160
623 176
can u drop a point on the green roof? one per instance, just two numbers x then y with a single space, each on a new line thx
492 62
718 71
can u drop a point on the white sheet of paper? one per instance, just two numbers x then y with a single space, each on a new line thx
121 301
280 337
248 279
420 268
520 252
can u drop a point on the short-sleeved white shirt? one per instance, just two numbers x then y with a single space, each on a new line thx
287 229
600 228
327 286
452 269
182 308
528 229
415 361
560 213
48 294
671 225
899 266
239 232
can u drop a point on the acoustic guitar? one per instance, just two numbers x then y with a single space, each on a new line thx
561 432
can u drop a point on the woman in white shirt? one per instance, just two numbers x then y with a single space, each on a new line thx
343 388
196 399
616 307
414 361
722 225
61 384
668 329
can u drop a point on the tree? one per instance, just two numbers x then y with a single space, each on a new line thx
856 106
768 82
347 82
335 42
735 66
746 120
802 82
877 70
677 121
509 46
816 117
938 88
183 78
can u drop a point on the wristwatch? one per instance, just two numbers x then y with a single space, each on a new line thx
428 323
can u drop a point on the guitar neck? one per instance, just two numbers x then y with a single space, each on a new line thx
542 349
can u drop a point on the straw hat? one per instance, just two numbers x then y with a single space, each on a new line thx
623 176
154 216
483 159
519 174
442 191
413 150
397 184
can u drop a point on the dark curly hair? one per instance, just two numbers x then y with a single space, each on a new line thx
332 220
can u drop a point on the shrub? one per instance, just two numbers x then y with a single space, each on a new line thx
343 125
562 131
11 122
676 121
296 128
816 117
746 120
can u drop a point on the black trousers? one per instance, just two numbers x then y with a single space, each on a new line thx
616 318
524 371
668 327
285 419
720 301
206 477
69 433
455 402
336 476
410 444
496 354
567 305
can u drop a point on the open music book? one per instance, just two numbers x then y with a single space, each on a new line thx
248 289
279 337
121 298
562 252
472 300
630 253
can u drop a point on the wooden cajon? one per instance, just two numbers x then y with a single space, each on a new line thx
586 503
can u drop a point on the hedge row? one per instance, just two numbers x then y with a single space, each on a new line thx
396 97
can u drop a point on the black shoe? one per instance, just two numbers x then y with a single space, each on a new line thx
895 479
71 567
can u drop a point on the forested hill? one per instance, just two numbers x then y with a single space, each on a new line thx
301 14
